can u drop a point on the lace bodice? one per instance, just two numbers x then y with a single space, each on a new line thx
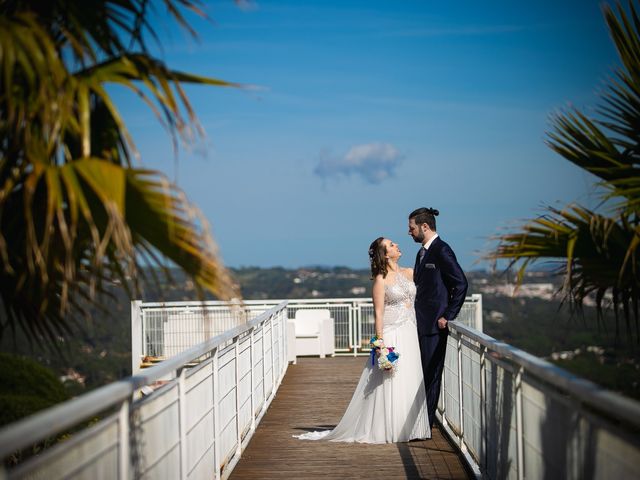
398 302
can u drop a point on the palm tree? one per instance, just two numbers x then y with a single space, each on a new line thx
596 251
77 213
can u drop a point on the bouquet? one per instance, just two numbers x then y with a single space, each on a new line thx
387 356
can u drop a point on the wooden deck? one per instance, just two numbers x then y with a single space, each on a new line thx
313 394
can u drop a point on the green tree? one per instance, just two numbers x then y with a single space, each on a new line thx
596 251
26 387
76 209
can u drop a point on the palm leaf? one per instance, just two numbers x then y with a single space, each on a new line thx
132 70
596 253
90 217
75 215
593 253
588 142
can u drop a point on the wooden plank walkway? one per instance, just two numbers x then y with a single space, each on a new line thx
313 394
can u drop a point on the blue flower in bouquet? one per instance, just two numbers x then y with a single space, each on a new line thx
393 355
387 356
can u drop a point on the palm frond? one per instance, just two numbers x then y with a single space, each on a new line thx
595 254
75 215
87 220
102 29
153 82
609 146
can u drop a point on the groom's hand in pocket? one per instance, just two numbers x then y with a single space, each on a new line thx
442 323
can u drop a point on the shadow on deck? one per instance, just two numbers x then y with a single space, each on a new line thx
315 393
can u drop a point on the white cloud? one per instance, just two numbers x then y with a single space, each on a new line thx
374 162
247 5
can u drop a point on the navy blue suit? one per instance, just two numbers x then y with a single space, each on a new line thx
441 289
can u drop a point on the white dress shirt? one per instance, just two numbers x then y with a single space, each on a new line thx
428 244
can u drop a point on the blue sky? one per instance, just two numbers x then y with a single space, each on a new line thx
363 111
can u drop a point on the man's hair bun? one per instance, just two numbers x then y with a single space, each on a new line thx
425 215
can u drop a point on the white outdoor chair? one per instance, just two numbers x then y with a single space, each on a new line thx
314 332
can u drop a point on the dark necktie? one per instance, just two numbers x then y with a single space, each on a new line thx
419 257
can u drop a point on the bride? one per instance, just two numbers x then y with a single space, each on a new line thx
387 406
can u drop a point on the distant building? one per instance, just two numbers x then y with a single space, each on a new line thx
544 291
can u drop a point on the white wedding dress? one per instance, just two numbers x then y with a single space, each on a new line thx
388 406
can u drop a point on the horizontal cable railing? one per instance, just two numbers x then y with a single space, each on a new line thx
208 401
517 416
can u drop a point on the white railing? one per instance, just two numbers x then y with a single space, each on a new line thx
194 426
511 414
164 329
517 416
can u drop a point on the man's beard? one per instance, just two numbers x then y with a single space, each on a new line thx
419 238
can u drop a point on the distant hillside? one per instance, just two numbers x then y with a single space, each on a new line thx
318 282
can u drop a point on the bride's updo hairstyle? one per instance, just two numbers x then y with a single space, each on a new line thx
425 215
378 258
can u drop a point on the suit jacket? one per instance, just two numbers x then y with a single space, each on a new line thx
441 287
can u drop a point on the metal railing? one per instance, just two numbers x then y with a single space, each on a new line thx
515 415
164 329
195 425
511 414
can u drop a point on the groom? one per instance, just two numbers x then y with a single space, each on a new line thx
441 289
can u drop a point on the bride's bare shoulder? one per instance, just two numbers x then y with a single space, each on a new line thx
408 273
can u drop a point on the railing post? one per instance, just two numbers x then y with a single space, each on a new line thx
252 354
123 441
358 330
264 369
352 318
273 361
182 420
461 408
137 335
284 354
216 414
443 389
483 411
276 354
236 353
519 429
282 338
478 305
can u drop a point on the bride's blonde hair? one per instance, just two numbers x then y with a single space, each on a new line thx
378 258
